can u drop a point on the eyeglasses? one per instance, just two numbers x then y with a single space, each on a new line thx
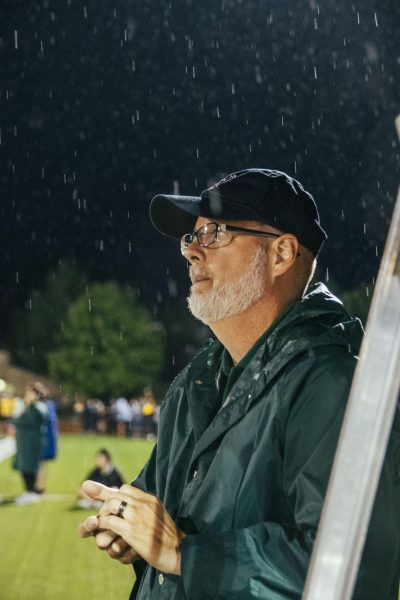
216 235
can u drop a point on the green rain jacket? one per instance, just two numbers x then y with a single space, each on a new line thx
29 439
246 480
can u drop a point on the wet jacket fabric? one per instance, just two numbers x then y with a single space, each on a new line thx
246 480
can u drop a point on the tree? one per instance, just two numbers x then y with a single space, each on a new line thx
109 344
33 331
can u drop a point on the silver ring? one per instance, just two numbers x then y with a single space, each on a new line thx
121 509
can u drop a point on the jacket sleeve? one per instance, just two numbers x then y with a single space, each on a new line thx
270 559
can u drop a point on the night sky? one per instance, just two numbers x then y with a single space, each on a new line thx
103 104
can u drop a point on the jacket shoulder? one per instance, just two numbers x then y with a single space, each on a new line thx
205 357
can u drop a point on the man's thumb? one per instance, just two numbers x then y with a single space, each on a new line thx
97 491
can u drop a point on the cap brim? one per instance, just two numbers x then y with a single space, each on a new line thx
174 215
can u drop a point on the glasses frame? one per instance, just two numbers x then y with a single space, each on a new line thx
188 238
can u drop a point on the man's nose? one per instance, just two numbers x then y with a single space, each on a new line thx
194 252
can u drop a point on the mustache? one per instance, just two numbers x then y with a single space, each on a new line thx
197 274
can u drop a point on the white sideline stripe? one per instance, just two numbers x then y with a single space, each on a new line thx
7 448
44 498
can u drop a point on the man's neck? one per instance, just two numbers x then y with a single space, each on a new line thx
239 333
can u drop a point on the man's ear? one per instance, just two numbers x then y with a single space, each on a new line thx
286 252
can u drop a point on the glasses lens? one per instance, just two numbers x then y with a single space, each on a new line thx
208 234
186 240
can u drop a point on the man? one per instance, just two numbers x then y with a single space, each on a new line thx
228 505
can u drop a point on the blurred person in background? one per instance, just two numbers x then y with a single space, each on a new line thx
123 413
105 473
29 426
49 443
137 417
148 410
90 416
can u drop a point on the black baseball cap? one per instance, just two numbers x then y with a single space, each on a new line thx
264 195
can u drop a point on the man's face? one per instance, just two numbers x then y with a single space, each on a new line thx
229 279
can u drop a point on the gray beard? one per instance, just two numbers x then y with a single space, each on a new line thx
231 298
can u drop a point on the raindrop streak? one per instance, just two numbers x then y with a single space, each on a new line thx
17 277
89 305
376 19
16 39
327 275
315 73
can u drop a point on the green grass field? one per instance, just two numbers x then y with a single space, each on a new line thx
41 555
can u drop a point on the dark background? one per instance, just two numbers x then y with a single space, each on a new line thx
103 104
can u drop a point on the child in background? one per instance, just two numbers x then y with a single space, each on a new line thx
104 473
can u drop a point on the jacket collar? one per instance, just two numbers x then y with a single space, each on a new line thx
316 319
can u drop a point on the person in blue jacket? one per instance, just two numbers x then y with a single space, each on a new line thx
49 442
228 505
